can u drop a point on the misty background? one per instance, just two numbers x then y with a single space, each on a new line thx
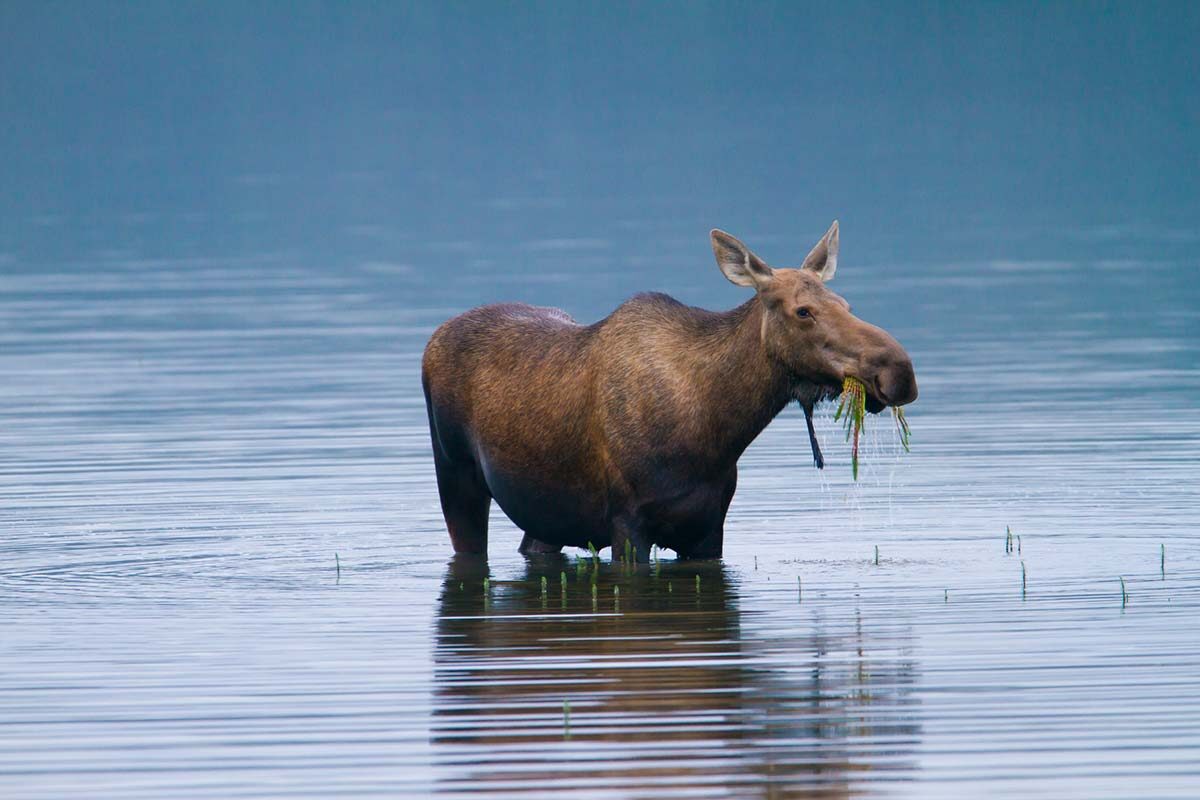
348 132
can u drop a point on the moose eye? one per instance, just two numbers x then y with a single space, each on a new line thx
803 313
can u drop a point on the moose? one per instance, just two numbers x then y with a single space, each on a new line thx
627 432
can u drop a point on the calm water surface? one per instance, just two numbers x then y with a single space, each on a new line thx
186 446
227 234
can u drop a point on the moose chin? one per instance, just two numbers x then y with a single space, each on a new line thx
627 433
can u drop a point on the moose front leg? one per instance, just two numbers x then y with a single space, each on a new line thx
707 538
710 545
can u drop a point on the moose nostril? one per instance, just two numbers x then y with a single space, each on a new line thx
897 384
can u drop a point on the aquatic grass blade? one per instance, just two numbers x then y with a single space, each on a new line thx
852 412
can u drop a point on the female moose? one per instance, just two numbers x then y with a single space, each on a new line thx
630 429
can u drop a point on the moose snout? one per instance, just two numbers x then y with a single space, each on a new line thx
888 368
897 383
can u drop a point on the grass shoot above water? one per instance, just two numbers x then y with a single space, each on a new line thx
852 410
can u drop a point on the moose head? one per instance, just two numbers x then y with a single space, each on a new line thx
809 329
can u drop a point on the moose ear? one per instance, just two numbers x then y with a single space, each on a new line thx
738 263
823 258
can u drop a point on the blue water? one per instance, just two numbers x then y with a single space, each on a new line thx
226 234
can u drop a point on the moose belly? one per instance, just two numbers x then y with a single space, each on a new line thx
559 506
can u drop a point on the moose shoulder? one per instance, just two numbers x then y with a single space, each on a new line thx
629 430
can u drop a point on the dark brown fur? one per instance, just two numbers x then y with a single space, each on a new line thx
630 429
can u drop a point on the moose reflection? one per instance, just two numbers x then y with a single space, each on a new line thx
646 681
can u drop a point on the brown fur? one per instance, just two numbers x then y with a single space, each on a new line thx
631 428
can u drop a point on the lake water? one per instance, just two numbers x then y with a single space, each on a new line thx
224 572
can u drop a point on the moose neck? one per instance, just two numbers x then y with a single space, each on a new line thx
743 388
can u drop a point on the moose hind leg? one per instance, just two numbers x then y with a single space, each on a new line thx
531 546
465 503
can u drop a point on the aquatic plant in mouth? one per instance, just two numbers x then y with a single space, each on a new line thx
852 411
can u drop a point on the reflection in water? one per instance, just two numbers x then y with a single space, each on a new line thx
220 262
671 687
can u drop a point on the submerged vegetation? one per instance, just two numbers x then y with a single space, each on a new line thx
650 586
630 580
852 411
